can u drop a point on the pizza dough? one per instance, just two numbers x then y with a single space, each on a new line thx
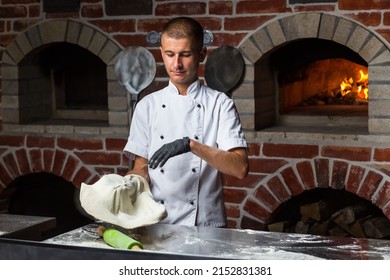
125 201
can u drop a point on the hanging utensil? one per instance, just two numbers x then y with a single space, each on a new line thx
135 70
224 69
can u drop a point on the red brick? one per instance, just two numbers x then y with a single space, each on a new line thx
132 40
92 11
211 23
276 186
256 210
291 181
115 144
48 157
382 154
386 18
370 185
59 159
5 177
80 144
349 153
232 211
253 149
314 8
249 223
11 164
125 161
62 15
36 160
220 7
264 6
23 24
23 161
260 165
70 168
367 19
40 142
115 25
355 178
6 39
234 195
229 39
34 11
245 23
305 171
102 158
81 176
322 172
12 141
231 223
180 9
290 150
339 174
14 11
383 195
104 170
264 195
385 33
121 171
151 24
364 5
249 181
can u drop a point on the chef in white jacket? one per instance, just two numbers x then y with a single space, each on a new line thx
185 135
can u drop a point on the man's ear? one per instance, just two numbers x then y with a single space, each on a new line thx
203 54
162 51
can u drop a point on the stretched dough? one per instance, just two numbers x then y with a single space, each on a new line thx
125 201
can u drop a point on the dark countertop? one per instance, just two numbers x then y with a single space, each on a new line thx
25 227
175 240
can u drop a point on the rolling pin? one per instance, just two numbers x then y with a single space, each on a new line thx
117 239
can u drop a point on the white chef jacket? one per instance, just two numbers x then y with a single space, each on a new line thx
189 187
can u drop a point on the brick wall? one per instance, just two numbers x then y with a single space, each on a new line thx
282 165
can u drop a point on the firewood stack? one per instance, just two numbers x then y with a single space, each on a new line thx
319 218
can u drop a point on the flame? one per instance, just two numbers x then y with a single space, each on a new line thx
360 86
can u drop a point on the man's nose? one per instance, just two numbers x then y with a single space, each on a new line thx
177 62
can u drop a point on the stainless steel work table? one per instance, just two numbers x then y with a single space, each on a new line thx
184 242
233 243
25 227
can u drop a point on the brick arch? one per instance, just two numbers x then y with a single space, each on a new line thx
23 161
293 179
60 31
280 31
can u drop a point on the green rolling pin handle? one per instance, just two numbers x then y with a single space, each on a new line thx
117 239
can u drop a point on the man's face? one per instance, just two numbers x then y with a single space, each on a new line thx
181 60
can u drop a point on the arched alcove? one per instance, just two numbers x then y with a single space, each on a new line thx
47 195
279 35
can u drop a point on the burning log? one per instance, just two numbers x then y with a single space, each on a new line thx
349 93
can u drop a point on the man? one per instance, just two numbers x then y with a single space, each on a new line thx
183 136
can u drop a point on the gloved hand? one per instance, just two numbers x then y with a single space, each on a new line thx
169 150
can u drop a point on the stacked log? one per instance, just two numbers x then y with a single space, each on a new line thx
320 218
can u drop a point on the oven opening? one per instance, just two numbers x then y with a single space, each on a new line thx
320 83
63 83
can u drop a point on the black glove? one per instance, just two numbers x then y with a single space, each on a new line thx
169 150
